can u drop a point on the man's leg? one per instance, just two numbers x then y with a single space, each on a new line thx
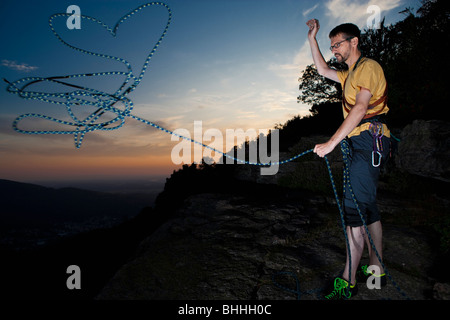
376 233
343 287
356 238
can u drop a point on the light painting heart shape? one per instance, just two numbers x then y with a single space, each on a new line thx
103 103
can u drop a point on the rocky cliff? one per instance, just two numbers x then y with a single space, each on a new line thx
229 245
425 149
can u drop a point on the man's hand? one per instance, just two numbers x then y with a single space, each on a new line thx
324 148
314 27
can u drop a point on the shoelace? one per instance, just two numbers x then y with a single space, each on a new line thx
368 272
364 270
340 287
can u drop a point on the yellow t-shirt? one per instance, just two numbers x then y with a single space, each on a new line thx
368 75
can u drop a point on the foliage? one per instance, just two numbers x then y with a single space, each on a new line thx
193 179
325 118
315 89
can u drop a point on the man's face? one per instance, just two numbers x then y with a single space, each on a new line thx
340 48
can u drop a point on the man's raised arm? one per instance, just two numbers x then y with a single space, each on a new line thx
319 61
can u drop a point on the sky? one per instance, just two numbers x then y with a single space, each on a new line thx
224 64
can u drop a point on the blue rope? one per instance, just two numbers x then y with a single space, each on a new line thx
88 97
105 103
395 138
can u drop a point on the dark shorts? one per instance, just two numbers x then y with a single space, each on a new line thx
364 180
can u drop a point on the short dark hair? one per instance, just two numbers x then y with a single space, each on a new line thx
349 30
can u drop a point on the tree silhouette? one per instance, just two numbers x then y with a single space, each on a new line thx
315 89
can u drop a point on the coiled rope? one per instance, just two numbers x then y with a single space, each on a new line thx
105 103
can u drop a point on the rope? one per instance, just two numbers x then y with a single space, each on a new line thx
88 97
108 103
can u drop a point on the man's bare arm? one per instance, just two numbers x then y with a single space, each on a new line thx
319 61
354 117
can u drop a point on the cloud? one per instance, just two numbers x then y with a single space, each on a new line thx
303 56
341 11
291 70
18 67
308 11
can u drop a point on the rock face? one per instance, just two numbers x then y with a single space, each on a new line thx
424 149
229 247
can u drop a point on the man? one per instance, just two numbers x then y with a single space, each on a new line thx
364 130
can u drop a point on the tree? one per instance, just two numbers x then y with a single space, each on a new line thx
315 89
418 68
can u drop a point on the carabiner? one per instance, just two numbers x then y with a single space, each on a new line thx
379 159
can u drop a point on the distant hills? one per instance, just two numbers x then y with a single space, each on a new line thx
27 204
48 229
33 214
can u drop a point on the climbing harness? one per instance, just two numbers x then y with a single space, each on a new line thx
376 128
383 99
120 106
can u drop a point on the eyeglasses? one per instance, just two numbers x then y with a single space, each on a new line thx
338 44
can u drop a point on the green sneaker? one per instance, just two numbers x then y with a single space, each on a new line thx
363 274
342 290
